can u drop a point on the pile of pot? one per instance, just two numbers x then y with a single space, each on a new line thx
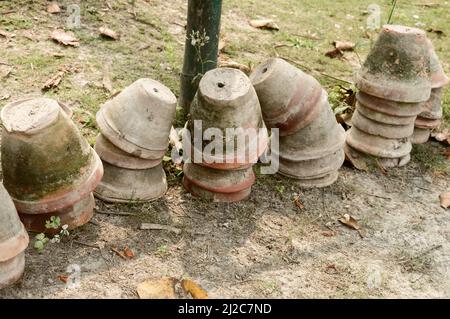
431 117
394 85
135 127
311 142
49 169
13 241
223 138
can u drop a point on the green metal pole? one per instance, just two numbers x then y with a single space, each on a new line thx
202 43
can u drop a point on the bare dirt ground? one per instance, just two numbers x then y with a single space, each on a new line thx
267 246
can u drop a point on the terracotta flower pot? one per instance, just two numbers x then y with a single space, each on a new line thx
353 154
122 185
438 77
427 123
381 129
398 66
226 100
47 165
389 108
322 137
13 241
113 155
421 135
433 107
378 146
382 117
218 185
138 120
74 216
290 99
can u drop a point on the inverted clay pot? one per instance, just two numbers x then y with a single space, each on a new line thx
389 108
398 66
322 137
47 164
381 129
13 241
73 216
421 135
438 77
378 146
289 97
382 117
427 123
433 107
312 169
226 100
122 185
354 155
113 155
218 185
138 120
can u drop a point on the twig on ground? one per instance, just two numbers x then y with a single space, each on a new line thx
85 244
98 211
147 226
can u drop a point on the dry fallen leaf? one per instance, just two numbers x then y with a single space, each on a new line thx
194 289
445 199
53 7
63 278
443 136
128 253
267 24
64 38
344 45
235 65
355 159
163 288
349 221
106 32
54 81
334 54
119 253
299 203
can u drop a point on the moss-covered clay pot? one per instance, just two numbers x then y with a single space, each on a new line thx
381 129
47 164
113 155
218 185
122 185
226 100
398 66
433 107
394 110
138 120
13 241
378 146
355 155
74 216
438 77
290 99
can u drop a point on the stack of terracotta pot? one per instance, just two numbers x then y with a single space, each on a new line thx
394 83
311 141
431 117
135 127
225 101
49 169
13 241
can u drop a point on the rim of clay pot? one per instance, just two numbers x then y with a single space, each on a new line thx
376 145
319 182
392 108
353 154
438 77
421 135
233 188
433 107
73 216
321 151
427 123
65 198
382 117
319 167
376 128
111 154
220 163
13 246
120 193
215 197
12 270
